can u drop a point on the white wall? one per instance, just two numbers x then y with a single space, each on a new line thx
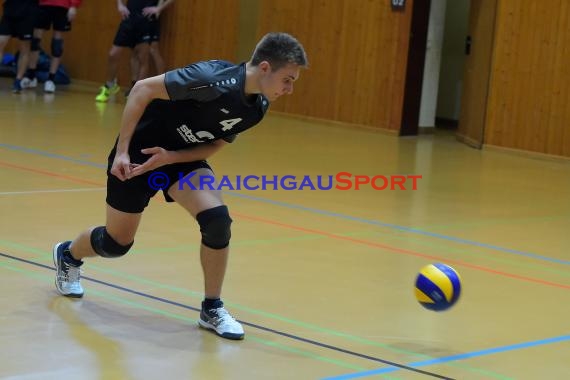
432 63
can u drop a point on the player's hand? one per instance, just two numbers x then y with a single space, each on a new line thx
71 12
122 167
149 12
124 11
159 157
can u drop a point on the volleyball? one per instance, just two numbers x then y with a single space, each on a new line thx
438 287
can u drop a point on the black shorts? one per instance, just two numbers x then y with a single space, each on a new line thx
50 15
133 195
19 26
134 30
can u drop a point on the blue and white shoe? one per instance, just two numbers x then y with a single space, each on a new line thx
28 83
221 322
67 277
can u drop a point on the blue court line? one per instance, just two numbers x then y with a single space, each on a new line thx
323 212
52 155
446 359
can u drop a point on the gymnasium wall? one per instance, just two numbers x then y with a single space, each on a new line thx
357 49
191 30
529 104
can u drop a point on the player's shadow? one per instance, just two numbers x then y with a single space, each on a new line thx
120 323
108 330
107 351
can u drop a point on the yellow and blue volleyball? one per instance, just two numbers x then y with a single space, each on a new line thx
438 287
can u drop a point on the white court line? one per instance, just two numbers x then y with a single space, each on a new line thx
51 191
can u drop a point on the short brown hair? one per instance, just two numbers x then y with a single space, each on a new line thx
279 49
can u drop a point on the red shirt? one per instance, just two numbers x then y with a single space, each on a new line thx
61 3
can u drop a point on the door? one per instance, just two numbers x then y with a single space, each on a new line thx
477 72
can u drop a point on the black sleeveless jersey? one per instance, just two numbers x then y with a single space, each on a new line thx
207 103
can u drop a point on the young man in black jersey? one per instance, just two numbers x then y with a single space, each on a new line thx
134 32
171 124
155 57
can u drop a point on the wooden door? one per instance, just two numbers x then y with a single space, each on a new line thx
477 71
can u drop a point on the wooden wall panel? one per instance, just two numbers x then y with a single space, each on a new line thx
357 52
191 30
195 30
88 43
529 103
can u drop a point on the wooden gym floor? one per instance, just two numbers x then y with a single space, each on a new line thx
322 280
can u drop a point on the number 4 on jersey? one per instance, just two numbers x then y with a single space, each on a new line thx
229 123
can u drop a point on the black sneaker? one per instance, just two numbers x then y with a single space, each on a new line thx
221 322
67 276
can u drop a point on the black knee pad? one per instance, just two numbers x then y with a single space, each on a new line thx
56 47
35 44
215 227
105 246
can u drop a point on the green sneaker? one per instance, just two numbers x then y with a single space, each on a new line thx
105 92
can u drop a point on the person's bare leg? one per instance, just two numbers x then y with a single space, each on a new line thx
134 66
142 51
111 87
157 58
113 63
214 261
35 55
120 225
55 61
23 59
115 240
